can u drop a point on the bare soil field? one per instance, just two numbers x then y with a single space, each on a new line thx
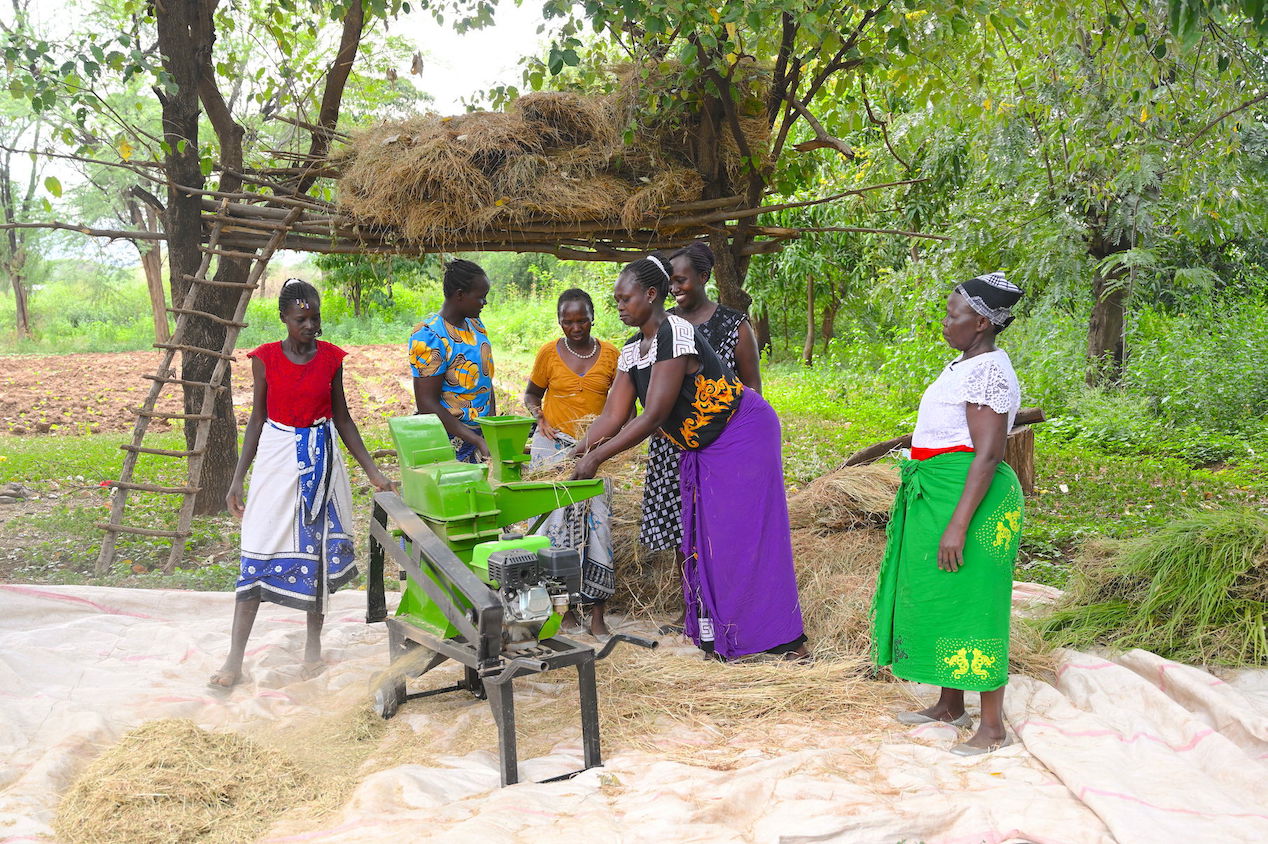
94 393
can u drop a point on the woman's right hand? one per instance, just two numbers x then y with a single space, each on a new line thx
585 468
482 449
544 428
235 500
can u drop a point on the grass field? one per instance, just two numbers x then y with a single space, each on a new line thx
1082 492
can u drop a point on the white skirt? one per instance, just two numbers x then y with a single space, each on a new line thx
295 546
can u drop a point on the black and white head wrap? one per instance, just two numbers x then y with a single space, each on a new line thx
992 296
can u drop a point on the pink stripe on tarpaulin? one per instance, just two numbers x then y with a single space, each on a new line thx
1192 743
1162 677
1095 667
1087 789
73 599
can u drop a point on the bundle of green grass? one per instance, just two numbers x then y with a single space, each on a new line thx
1193 591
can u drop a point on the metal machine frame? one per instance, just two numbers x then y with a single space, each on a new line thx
475 610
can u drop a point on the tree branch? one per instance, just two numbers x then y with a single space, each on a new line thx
1208 127
112 234
822 139
883 124
769 230
336 80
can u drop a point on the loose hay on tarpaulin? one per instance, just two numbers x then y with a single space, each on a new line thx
850 497
171 781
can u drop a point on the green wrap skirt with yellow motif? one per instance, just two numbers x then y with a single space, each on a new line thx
938 627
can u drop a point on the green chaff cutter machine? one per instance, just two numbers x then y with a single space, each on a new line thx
490 600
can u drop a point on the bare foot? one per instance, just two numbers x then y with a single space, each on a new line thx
941 712
987 738
311 669
225 678
571 624
598 626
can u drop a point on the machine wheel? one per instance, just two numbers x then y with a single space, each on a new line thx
388 697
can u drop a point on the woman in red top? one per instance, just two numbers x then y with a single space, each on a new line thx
296 549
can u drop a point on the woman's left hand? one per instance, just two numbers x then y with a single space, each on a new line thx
951 549
585 468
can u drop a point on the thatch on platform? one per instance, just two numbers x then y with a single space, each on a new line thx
602 176
554 158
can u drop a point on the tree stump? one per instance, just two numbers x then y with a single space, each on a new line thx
1019 452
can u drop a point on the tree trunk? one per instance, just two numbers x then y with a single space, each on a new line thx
808 347
22 315
830 309
1105 331
13 254
354 296
152 264
763 331
185 42
1105 349
222 442
729 273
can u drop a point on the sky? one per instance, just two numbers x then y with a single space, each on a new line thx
457 66
454 66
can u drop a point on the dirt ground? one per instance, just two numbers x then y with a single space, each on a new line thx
94 393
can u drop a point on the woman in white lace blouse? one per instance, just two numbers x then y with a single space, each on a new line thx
941 611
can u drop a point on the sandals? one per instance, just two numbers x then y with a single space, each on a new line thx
970 750
912 719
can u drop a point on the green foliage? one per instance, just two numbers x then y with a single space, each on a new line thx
1194 591
366 282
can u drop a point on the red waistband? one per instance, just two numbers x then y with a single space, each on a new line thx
918 453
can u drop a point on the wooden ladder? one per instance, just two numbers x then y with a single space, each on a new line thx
167 375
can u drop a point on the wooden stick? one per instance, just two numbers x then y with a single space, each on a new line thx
1025 416
113 234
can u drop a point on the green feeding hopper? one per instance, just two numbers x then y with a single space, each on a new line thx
467 504
506 436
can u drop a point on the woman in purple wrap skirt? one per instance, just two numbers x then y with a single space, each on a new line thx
739 585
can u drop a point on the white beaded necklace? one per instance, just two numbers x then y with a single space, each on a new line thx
575 353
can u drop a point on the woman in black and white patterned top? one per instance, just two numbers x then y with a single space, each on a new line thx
739 585
732 337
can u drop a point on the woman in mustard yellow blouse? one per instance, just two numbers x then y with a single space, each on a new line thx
570 382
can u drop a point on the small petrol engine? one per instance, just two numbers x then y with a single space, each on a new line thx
536 584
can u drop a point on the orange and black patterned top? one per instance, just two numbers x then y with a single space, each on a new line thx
709 395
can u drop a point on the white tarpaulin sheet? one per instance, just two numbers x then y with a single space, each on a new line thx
1137 749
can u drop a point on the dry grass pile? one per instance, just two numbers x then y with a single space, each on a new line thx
553 158
850 497
642 690
1194 591
172 781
